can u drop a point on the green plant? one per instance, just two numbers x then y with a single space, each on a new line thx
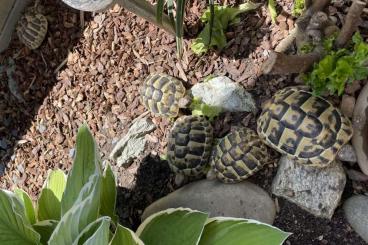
80 209
223 17
272 9
339 67
298 7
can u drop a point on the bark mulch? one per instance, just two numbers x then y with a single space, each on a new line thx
107 56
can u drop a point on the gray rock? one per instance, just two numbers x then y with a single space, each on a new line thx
133 143
222 92
356 212
317 190
347 154
242 200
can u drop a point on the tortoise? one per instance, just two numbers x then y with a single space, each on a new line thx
189 145
238 155
32 28
164 95
306 128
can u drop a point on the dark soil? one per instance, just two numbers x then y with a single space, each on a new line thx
108 56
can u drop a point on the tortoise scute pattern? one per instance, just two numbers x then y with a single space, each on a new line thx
305 127
161 93
32 29
189 145
238 155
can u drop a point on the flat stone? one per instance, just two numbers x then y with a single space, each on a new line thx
316 190
242 200
356 212
133 143
222 92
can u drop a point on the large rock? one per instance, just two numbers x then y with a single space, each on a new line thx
317 190
356 212
222 92
242 200
133 143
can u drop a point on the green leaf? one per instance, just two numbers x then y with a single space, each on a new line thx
201 109
223 16
86 163
108 194
125 236
272 10
45 229
339 67
49 207
173 226
231 231
96 233
180 11
14 226
28 205
160 10
84 211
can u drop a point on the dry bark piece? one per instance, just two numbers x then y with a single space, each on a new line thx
351 24
279 63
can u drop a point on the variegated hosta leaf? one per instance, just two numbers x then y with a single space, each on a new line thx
96 232
125 236
173 226
49 207
15 229
28 205
108 194
45 229
84 211
232 231
86 163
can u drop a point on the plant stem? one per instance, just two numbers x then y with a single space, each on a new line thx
147 11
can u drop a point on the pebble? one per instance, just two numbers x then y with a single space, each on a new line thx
3 144
242 200
347 154
347 105
41 128
353 87
356 212
316 190
356 175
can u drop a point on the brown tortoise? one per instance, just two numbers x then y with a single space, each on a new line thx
189 145
164 95
238 155
32 27
304 127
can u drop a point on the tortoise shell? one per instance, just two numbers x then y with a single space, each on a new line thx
32 29
306 128
189 145
238 155
161 93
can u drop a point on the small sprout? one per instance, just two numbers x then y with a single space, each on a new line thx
163 157
307 48
298 7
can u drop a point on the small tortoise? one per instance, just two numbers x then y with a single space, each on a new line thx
306 128
189 145
164 95
32 28
238 155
